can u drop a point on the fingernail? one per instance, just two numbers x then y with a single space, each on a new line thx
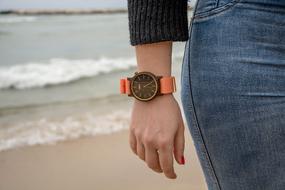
182 160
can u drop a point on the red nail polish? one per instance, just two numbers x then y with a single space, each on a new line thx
182 160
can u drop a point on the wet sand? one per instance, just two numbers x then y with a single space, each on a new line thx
97 163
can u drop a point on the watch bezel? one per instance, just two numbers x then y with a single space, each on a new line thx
155 78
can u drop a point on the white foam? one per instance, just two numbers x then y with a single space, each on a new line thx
17 19
45 131
57 71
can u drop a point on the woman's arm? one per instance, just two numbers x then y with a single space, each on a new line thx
157 124
155 57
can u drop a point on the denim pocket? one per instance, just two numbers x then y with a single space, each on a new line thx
207 8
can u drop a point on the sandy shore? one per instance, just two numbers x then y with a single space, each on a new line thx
97 163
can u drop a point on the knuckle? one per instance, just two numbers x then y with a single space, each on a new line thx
132 129
164 143
147 139
137 132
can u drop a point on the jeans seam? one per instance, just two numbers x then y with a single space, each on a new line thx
216 10
217 3
196 124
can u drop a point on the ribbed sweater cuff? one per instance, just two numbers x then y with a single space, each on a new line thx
157 20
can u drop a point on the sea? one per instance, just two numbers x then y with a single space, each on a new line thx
59 77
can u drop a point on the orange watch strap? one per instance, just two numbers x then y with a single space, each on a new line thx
167 85
125 86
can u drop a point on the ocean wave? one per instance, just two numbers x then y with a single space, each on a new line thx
57 71
17 19
45 131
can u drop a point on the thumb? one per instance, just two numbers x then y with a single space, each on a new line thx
179 142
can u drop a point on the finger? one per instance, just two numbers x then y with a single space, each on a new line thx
179 143
166 161
152 160
140 149
133 142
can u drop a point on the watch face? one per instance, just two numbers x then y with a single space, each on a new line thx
144 86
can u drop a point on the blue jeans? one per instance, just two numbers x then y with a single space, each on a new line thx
233 92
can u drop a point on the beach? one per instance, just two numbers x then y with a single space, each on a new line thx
63 123
84 146
101 162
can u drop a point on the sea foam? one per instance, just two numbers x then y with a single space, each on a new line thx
57 71
47 131
17 19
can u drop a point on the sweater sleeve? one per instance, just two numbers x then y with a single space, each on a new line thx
157 20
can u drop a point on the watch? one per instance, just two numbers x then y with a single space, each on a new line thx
145 86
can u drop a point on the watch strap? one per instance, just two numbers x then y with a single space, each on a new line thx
125 86
167 85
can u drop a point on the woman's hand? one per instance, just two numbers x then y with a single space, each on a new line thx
157 129
157 125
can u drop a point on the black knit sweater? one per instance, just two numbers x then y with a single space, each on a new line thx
157 20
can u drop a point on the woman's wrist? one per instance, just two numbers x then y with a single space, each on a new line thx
155 58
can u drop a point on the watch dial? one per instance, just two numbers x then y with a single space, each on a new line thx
144 86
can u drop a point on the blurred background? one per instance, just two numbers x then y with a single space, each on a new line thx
63 123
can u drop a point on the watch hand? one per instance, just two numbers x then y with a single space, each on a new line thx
148 84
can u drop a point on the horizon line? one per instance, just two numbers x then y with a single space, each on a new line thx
65 11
